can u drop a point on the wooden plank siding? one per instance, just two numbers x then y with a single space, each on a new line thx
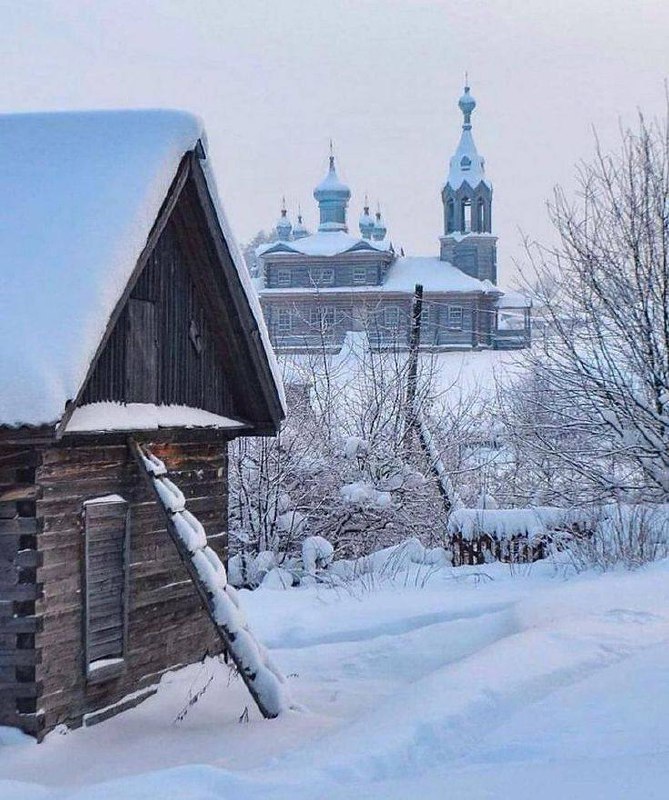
165 623
150 356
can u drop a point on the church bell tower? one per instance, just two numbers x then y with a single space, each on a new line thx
468 242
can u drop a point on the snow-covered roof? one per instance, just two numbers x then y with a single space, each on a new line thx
404 273
512 299
324 243
466 164
82 191
434 275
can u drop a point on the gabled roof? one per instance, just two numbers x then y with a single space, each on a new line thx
82 193
331 243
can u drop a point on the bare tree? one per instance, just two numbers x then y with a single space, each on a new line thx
598 387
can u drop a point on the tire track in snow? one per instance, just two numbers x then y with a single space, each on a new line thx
443 716
297 638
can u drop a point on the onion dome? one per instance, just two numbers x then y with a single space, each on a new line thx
300 230
283 225
366 221
332 197
379 231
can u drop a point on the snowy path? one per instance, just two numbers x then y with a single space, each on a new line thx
466 689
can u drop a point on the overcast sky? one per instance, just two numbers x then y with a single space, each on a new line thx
275 80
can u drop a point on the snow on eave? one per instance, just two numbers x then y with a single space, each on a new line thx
325 244
247 284
108 417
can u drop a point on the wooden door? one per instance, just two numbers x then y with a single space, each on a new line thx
142 353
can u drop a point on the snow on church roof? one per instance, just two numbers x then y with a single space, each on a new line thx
82 191
435 276
324 243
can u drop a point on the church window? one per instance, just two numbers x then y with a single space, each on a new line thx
465 163
322 317
455 318
322 277
360 275
284 320
391 317
480 215
466 215
451 215
283 277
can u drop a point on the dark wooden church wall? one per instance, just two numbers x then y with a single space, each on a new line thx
186 366
166 625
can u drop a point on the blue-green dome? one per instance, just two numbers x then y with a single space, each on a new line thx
283 225
300 229
332 196
379 231
366 222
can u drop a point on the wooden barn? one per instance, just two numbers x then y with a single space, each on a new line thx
127 318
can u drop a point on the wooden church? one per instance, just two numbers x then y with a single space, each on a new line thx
127 319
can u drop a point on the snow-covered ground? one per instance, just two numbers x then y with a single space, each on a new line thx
479 684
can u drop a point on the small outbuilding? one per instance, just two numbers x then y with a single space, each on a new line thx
127 320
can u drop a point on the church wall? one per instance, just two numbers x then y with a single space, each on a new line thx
307 274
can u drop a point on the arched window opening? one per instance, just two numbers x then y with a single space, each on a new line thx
480 215
466 215
450 216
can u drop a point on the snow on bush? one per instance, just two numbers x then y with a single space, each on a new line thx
354 446
292 521
277 578
360 493
317 553
626 535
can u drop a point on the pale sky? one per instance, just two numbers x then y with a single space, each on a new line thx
275 80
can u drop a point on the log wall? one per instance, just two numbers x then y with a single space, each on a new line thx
166 625
19 589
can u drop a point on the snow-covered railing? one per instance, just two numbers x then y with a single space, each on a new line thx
263 679
504 523
477 535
